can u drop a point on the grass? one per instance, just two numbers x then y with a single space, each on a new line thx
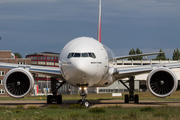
146 109
102 113
77 106
53 106
76 112
97 110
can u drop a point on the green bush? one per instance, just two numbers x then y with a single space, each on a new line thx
8 113
160 114
77 106
147 109
53 106
20 107
97 110
18 111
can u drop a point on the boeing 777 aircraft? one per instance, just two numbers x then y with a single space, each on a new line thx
86 62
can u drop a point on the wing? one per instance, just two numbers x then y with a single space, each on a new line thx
125 72
50 71
137 55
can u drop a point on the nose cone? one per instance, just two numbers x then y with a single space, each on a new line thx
80 72
83 70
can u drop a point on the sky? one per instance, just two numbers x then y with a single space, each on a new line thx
31 26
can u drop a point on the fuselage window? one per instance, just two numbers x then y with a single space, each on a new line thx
77 55
85 55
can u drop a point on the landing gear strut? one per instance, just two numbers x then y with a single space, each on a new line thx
83 101
54 97
131 96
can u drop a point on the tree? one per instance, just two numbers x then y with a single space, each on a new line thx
138 52
17 55
133 52
176 55
160 56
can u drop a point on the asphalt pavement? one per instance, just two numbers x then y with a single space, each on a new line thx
93 103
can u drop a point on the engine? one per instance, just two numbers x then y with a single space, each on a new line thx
162 82
18 83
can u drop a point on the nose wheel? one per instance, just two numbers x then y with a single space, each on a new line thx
83 101
86 103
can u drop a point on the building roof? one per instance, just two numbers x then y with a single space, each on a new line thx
47 53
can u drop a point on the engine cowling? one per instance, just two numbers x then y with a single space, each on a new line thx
18 83
162 82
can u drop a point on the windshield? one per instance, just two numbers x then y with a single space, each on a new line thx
84 55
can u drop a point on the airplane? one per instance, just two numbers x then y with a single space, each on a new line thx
85 62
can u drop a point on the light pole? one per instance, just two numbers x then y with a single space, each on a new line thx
47 84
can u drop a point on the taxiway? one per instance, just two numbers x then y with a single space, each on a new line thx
94 103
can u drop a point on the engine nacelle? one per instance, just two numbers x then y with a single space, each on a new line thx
162 82
18 83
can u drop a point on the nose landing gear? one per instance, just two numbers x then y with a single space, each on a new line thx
83 101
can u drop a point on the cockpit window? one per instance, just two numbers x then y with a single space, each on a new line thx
70 55
92 55
85 55
77 55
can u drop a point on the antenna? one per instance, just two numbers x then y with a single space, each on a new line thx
99 23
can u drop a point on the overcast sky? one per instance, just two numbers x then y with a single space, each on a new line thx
30 26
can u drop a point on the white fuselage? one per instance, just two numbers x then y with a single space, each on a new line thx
84 61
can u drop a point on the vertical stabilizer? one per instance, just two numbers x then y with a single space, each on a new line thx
99 23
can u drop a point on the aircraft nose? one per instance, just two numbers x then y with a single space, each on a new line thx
84 70
80 68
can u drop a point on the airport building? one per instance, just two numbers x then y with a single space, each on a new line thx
44 59
8 57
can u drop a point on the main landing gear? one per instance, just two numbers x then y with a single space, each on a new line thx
131 96
55 98
83 101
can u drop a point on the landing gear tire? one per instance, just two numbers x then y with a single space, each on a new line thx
59 99
126 100
80 102
49 99
86 103
136 99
